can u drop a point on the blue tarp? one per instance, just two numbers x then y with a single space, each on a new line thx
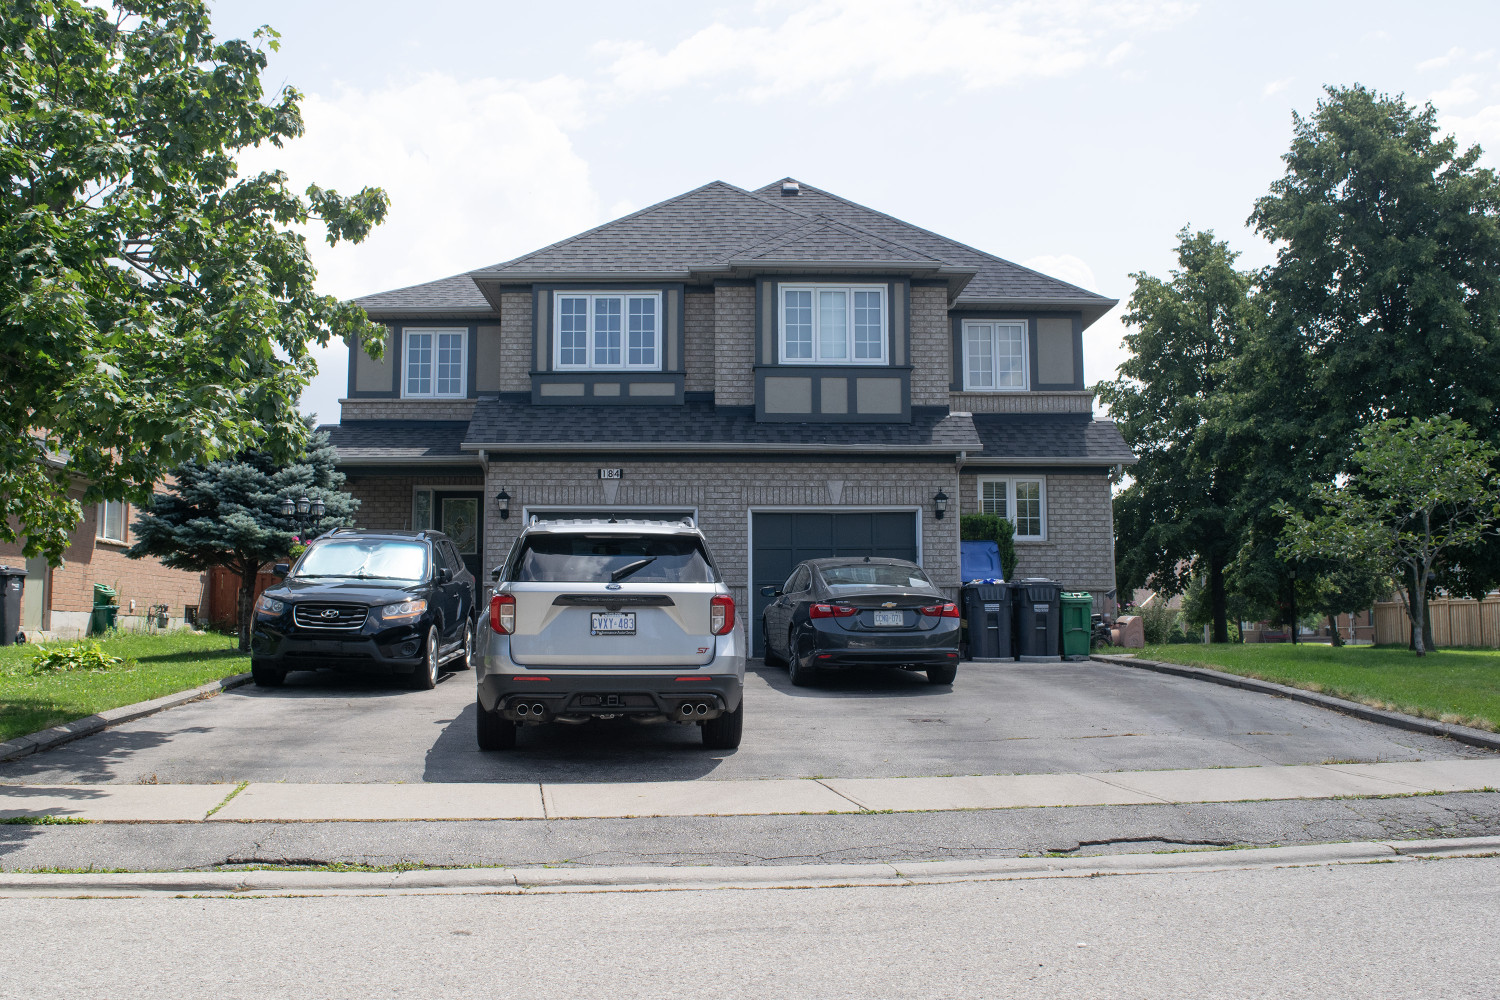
979 561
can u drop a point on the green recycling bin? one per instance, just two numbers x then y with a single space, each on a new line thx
105 609
1077 624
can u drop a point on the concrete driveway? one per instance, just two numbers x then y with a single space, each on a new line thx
996 719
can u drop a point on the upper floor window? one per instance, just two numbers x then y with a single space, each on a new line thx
609 330
112 521
436 363
1021 501
833 324
994 354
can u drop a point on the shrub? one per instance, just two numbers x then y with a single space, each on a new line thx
88 656
1158 622
992 528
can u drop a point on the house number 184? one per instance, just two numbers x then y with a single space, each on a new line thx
611 473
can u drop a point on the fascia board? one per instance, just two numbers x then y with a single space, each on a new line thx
702 447
997 460
459 459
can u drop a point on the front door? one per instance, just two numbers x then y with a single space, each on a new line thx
460 517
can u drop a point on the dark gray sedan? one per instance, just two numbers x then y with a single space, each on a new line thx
850 612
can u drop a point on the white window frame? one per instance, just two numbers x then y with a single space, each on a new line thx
463 364
102 529
1008 488
817 340
589 363
971 327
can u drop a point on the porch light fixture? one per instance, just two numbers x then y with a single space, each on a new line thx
502 501
303 505
940 504
318 509
288 507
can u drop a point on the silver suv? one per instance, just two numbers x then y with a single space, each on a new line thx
603 619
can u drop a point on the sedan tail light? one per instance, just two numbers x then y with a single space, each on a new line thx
503 613
941 610
721 615
832 611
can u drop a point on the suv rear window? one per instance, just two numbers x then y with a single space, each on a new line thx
612 558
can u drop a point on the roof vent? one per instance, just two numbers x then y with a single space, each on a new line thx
790 189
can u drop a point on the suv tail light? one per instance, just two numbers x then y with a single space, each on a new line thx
503 613
832 611
721 615
941 610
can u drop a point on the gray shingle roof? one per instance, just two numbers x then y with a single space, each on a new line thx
825 239
1050 439
398 441
996 278
454 295
699 425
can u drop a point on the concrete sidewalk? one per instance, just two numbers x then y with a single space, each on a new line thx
276 802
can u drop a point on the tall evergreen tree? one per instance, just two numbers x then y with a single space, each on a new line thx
1177 519
228 513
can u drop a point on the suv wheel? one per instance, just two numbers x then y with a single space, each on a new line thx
266 677
424 678
495 732
724 732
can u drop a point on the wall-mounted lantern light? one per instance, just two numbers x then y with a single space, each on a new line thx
502 501
288 507
940 504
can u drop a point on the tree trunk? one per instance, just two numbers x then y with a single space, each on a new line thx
1418 612
1218 602
1293 603
248 573
1333 630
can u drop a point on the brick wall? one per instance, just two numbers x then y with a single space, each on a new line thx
1021 402
89 560
734 346
1079 551
515 342
406 409
931 347
723 492
698 335
385 501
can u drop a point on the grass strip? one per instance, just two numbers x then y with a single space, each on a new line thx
43 821
1456 686
154 666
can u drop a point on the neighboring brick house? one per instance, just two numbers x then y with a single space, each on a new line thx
59 600
803 375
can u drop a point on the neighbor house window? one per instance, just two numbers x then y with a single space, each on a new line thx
833 324
994 355
112 520
436 363
608 331
1023 502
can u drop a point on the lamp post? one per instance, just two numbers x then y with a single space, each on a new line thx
303 510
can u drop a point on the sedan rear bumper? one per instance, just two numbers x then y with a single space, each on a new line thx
919 659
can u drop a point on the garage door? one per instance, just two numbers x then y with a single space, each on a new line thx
780 540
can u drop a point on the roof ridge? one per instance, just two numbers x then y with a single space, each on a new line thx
625 218
929 232
405 288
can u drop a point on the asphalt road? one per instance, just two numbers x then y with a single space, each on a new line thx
1012 718
1422 929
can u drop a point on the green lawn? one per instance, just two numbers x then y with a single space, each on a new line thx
155 665
1454 685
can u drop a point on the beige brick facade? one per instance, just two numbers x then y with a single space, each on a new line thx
734 346
698 336
1079 550
385 502
1021 402
406 409
515 337
931 347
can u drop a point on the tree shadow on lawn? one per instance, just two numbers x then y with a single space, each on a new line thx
190 656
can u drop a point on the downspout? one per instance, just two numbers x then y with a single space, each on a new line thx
958 513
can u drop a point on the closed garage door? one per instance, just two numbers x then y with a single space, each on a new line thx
780 540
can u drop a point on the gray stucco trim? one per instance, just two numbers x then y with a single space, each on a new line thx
636 448
816 374
393 333
589 379
956 318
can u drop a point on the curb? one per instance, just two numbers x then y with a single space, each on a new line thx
535 881
47 739
1398 720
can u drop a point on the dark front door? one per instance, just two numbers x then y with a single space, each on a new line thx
780 540
461 518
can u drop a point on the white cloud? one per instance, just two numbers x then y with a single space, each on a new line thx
1483 127
830 46
478 171
1276 86
1458 93
1438 62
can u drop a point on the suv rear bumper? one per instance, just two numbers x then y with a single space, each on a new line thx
585 695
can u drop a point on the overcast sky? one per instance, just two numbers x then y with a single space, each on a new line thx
1073 136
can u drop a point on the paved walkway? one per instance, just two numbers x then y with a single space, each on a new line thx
277 802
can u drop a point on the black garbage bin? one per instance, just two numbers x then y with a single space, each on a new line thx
1038 620
12 581
987 609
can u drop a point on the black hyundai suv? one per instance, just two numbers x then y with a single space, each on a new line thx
396 602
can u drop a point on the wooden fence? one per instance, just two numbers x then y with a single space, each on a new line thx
224 594
1454 622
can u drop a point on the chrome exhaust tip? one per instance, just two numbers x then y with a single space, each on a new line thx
687 709
702 708
538 709
523 709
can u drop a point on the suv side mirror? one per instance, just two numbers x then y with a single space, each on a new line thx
443 575
769 592
281 569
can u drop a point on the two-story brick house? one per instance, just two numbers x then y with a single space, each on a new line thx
803 375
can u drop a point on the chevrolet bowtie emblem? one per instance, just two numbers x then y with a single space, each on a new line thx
889 604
